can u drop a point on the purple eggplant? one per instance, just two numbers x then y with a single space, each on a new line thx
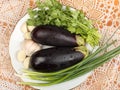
55 36
55 59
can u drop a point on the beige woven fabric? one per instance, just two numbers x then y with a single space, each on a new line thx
105 13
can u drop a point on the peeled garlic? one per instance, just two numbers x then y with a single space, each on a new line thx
26 63
30 28
21 55
30 47
27 35
24 27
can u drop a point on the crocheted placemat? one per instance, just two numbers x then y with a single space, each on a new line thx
105 13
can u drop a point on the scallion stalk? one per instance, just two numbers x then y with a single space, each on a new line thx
78 70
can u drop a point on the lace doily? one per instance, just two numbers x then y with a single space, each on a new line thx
105 13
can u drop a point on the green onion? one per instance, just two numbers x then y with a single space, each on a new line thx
76 70
68 70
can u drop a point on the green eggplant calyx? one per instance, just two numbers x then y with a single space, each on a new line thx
82 49
80 41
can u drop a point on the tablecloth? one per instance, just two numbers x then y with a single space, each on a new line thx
104 13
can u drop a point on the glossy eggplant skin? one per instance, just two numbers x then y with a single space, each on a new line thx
55 59
54 36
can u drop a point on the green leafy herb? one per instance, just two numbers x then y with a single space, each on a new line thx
52 12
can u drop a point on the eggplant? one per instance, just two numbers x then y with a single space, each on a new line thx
55 36
55 59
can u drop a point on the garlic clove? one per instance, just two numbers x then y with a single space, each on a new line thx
26 63
30 47
30 28
21 55
24 27
35 47
27 35
26 44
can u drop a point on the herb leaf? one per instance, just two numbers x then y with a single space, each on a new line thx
52 12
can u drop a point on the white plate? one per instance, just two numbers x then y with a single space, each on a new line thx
14 46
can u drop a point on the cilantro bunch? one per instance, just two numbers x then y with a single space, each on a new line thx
53 13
